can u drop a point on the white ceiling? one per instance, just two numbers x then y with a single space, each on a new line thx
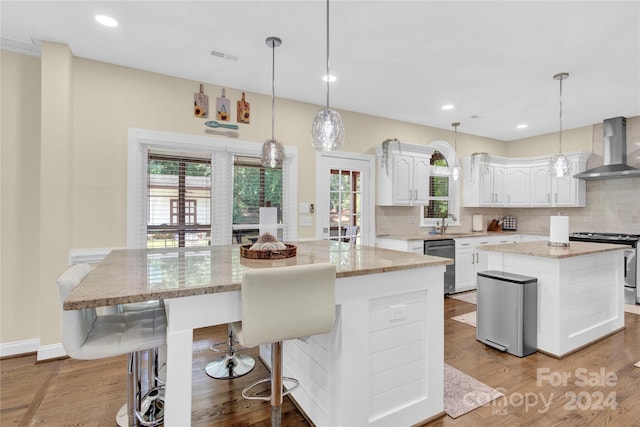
395 59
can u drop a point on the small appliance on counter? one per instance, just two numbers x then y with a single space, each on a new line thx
477 223
509 223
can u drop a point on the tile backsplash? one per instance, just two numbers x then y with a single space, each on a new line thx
613 206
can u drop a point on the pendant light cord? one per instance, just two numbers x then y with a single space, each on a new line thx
328 78
560 118
273 89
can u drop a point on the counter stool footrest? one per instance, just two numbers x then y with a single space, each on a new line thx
245 391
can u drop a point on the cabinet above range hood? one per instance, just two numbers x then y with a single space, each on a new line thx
615 153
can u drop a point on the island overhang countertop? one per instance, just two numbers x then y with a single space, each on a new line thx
174 273
542 249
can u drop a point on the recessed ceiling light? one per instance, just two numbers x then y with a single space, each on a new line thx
330 77
107 21
447 107
522 126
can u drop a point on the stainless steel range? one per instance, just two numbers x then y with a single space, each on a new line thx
631 261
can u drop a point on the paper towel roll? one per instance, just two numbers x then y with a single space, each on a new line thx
559 231
477 223
269 221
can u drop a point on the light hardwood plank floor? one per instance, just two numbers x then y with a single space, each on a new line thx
72 392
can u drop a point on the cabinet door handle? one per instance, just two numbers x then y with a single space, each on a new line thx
416 194
548 197
509 198
477 257
556 196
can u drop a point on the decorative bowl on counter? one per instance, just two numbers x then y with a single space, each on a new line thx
288 252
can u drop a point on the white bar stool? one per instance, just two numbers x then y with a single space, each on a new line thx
284 303
88 336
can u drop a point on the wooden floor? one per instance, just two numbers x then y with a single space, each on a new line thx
71 392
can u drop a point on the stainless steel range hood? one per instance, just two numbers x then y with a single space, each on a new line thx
615 153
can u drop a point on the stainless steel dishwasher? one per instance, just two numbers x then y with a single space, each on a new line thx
445 248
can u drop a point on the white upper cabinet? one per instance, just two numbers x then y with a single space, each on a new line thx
403 174
493 186
523 182
518 185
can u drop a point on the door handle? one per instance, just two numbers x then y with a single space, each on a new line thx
477 258
556 197
549 198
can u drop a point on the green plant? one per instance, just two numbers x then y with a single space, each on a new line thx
385 153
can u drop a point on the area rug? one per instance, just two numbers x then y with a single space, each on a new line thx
467 319
632 308
469 297
463 393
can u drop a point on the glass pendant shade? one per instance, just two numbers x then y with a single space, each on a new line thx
272 149
455 169
559 166
455 172
272 154
327 131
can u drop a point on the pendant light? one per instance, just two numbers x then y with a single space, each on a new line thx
272 150
327 130
559 165
455 170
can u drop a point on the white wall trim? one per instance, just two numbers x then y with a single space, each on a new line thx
19 347
91 255
51 351
368 208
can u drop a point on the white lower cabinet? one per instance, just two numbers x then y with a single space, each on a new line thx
414 246
470 260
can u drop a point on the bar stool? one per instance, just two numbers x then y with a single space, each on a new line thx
284 303
87 336
231 365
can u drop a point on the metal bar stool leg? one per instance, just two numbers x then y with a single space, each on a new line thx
231 365
276 384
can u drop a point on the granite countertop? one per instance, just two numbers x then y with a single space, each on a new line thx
451 235
542 249
127 276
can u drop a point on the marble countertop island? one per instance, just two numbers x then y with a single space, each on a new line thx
176 273
542 249
377 291
580 289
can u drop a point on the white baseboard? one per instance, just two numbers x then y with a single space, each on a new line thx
51 351
19 347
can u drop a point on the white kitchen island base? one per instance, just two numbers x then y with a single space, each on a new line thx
382 363
580 290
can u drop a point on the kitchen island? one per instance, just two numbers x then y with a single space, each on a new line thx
381 364
580 289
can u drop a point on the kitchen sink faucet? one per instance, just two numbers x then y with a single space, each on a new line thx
444 222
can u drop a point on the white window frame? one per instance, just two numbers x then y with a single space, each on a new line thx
222 151
454 186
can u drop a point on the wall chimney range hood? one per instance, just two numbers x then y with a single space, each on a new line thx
615 153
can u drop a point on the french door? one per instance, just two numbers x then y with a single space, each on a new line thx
346 206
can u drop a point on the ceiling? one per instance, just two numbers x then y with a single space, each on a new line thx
493 60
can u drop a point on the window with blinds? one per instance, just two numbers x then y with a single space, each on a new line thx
179 200
439 187
254 186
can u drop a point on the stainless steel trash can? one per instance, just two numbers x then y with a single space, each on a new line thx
507 316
